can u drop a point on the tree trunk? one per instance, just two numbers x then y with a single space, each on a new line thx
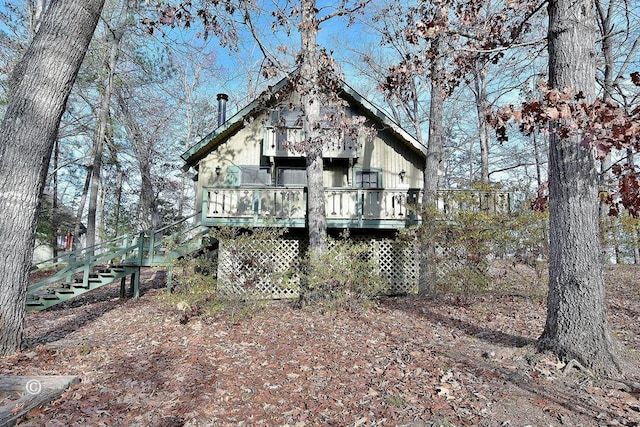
148 214
36 9
576 326
309 88
436 131
104 103
635 234
537 157
426 285
604 20
81 204
119 181
54 204
41 84
185 182
484 129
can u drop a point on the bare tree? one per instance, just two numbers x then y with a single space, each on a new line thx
620 44
42 81
114 36
576 326
316 78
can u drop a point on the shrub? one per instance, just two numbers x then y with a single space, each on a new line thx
345 276
461 246
196 290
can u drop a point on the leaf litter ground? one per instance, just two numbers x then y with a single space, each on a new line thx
453 361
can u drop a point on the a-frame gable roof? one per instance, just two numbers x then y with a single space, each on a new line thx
202 148
378 115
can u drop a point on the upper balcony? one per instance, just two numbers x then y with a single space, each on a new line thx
344 207
279 142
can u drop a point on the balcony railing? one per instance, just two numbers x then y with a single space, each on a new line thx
345 207
276 144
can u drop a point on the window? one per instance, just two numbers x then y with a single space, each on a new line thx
367 179
291 177
254 175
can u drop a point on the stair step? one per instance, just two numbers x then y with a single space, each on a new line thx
91 280
62 291
34 303
85 271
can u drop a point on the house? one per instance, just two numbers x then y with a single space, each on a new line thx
248 175
62 222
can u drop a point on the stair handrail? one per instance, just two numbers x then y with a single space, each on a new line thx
84 266
128 248
179 222
75 254
152 241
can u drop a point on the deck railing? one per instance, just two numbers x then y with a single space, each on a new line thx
490 201
345 207
290 203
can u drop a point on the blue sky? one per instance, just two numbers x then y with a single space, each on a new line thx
240 67
235 72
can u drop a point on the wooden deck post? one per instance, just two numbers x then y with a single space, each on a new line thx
135 283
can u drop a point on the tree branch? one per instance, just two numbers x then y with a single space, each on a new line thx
342 10
501 48
519 165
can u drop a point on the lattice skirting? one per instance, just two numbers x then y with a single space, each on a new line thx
397 261
262 268
258 269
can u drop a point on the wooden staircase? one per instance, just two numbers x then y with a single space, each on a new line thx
87 269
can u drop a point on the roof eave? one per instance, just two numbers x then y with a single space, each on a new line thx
200 149
386 120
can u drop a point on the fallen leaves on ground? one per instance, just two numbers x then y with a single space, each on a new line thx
449 361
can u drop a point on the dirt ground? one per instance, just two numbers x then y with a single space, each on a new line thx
455 361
